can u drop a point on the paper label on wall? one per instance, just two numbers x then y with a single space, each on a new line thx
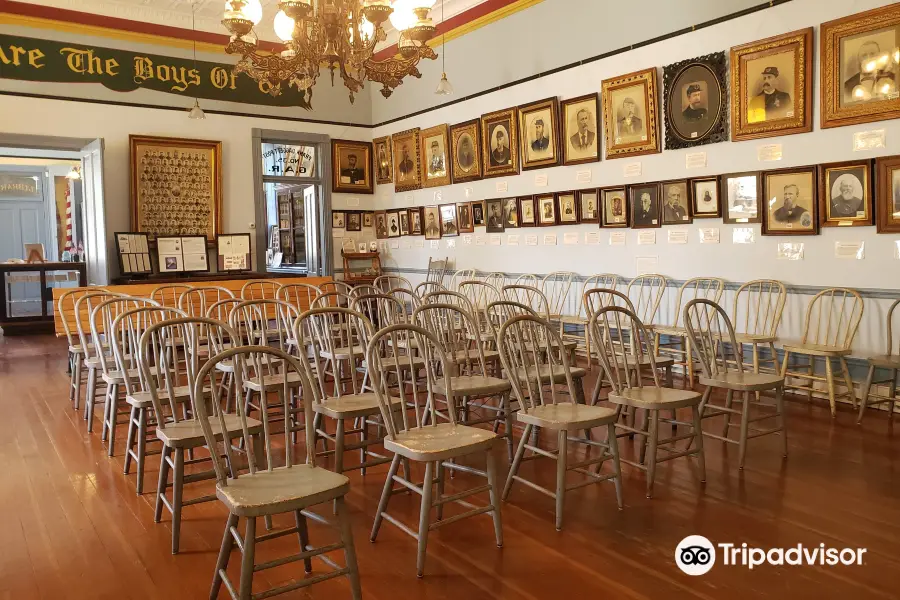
438 196
502 186
451 243
617 238
583 176
592 238
495 239
646 238
419 243
646 264
480 240
850 250
539 180
407 244
868 140
395 244
512 240
897 249
549 239
408 198
571 239
632 170
695 160
469 192
743 235
352 201
790 251
467 239
709 235
435 244
531 240
768 152
676 236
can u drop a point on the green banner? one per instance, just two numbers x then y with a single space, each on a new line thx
31 59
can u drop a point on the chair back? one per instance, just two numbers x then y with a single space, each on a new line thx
427 287
496 279
459 276
620 341
596 298
447 297
436 270
336 286
382 310
530 296
527 279
260 289
169 294
326 299
407 297
758 306
221 310
712 338
556 287
386 283
264 322
125 342
607 281
197 300
498 313
65 306
458 333
707 288
479 293
645 293
300 295
891 343
364 289
329 331
102 317
833 317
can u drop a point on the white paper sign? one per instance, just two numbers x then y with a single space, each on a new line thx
768 152
352 201
695 160
617 238
539 180
438 196
743 235
467 239
435 244
407 244
419 243
571 239
395 244
850 250
632 170
709 235
646 264
646 238
495 239
480 240
502 186
469 192
451 243
583 176
531 240
790 251
549 239
868 140
408 198
592 238
676 236
512 240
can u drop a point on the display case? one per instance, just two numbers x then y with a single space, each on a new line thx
361 267
26 293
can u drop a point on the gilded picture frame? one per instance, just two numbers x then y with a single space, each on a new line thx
631 114
351 167
384 163
860 43
539 133
580 122
675 202
771 86
614 211
434 144
176 186
465 143
407 174
887 196
706 198
845 194
498 157
695 101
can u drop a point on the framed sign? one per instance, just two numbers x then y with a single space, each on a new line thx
133 250
233 252
352 166
182 254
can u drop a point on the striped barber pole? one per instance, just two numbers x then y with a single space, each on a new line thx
70 246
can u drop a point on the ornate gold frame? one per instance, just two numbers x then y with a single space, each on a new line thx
368 185
386 140
651 107
825 218
456 131
551 104
443 132
512 115
410 135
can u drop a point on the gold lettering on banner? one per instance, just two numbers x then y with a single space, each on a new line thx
143 69
221 78
34 56
111 66
84 61
17 51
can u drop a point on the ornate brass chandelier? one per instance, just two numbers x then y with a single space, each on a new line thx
338 34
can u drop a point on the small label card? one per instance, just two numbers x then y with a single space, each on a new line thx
419 243
743 235
768 152
592 238
451 243
677 236
571 239
502 187
480 240
435 244
470 192
790 251
495 239
646 264
512 240
583 176
531 240
646 238
695 160
851 250
438 196
868 140
632 170
352 201
407 244
540 180
408 198
549 239
467 239
617 238
709 235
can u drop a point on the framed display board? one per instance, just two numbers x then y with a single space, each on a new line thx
233 252
133 250
182 254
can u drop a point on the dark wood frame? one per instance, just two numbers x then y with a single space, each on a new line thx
473 128
648 78
629 189
488 228
459 227
455 219
371 217
715 63
404 213
603 222
563 124
689 201
437 131
801 42
182 237
474 221
552 105
439 226
412 211
375 224
336 185
387 223
574 195
522 200
119 253
825 196
723 197
486 120
579 204
884 194
398 139
814 208
390 156
539 214
694 213
338 212
347 214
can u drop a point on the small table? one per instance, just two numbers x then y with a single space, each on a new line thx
13 274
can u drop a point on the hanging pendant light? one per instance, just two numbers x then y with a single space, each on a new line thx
195 112
73 173
444 87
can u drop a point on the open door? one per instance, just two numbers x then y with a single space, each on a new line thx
94 213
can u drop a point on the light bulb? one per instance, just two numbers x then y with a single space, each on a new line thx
195 111
366 29
284 26
403 17
73 173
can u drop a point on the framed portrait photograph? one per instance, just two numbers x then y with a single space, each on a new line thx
705 203
407 175
464 217
465 141
845 194
676 202
740 194
630 111
567 210
580 138
860 70
384 165
494 217
404 221
643 200
510 213
393 223
789 198
432 219
695 92
354 221
337 219
546 205
415 220
588 206
368 219
771 86
500 143
435 145
887 196
449 226
478 213
539 132
527 212
614 211
352 166
381 230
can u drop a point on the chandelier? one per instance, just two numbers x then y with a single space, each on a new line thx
338 34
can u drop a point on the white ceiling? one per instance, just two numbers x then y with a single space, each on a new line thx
177 13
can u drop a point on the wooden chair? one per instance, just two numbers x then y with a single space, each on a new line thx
326 299
197 300
716 348
84 306
266 490
645 293
439 445
364 289
758 306
436 270
427 287
260 289
409 299
890 361
459 276
619 339
480 294
300 295
832 319
386 283
557 287
169 294
496 279
336 286
221 310
65 307
534 379
537 301
607 281
527 279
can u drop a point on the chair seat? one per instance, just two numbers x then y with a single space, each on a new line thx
390 363
886 361
754 338
117 377
342 353
816 349
189 434
473 385
746 382
281 490
472 355
668 330
567 345
567 415
559 374
273 383
78 349
351 406
652 397
142 399
440 442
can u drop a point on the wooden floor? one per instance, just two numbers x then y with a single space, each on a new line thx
72 526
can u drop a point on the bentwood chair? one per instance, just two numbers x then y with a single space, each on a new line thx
527 279
427 287
714 344
65 307
336 286
260 289
386 283
197 300
274 484
300 295
645 293
459 276
439 445
436 270
890 362
168 294
619 338
480 295
534 298
580 319
557 287
758 306
365 289
496 279
409 299
541 405
84 306
832 319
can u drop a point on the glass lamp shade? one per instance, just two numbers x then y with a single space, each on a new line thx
284 26
195 111
403 16
73 173
251 10
444 88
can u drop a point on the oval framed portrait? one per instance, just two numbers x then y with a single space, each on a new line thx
696 101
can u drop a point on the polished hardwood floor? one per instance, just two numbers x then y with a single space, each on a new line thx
72 526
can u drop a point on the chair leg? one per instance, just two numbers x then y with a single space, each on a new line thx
104 421
89 394
779 405
79 362
562 449
848 381
364 437
892 390
163 482
864 397
113 417
613 443
339 447
248 560
507 415
811 370
745 425
517 460
495 497
303 535
385 497
698 435
729 399
653 434
224 555
130 439
177 489
441 480
349 549
755 357
424 516
829 384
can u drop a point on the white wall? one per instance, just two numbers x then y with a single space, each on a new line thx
737 263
